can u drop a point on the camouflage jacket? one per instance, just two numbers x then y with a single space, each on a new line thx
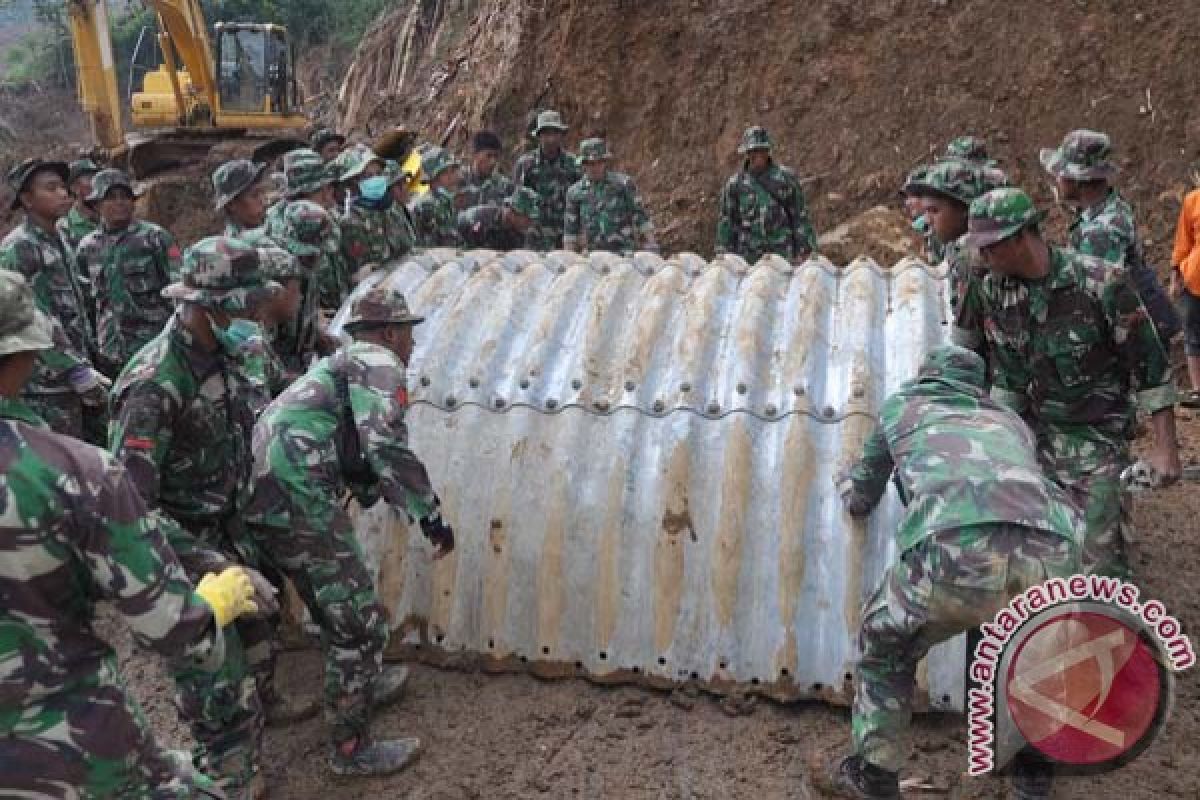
128 270
764 214
365 237
1068 350
333 276
477 191
607 215
434 219
402 232
961 460
74 226
50 268
182 418
483 226
77 532
308 451
965 275
1108 231
550 178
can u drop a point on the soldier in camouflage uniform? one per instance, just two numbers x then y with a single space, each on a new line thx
482 183
341 429
183 416
762 207
64 382
300 337
82 219
128 262
1070 345
550 171
1104 226
310 180
402 229
434 214
983 524
76 532
328 144
500 227
365 218
604 209
971 149
914 207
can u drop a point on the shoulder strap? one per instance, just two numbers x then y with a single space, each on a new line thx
355 466
786 209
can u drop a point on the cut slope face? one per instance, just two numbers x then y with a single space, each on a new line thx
854 92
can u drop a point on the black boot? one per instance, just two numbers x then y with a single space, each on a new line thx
369 759
388 686
855 777
1032 777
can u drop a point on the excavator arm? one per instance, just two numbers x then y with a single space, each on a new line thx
97 78
184 31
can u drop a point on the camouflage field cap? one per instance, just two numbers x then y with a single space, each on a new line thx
223 272
234 177
19 175
593 150
754 138
549 121
324 136
525 201
306 229
305 172
970 148
954 178
356 162
999 214
22 327
80 167
435 161
953 364
107 180
1083 156
380 305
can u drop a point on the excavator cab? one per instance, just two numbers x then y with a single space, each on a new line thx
255 73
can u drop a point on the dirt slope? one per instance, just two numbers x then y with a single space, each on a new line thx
854 91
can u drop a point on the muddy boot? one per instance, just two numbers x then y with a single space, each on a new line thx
855 777
284 710
361 758
388 686
1032 777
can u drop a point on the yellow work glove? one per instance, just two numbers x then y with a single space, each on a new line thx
229 594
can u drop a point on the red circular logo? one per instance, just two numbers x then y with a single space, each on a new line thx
1085 688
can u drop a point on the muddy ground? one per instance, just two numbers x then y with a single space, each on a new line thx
514 736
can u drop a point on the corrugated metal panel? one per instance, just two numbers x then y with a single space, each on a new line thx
638 457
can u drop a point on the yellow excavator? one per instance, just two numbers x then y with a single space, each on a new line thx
198 97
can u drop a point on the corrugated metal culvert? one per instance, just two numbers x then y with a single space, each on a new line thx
638 455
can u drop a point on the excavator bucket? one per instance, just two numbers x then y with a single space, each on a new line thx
638 456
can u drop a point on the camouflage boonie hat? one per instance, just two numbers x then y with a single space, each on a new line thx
525 201
107 180
999 214
549 120
278 264
22 327
1083 156
234 177
324 136
970 148
355 163
306 229
954 364
380 305
954 178
435 161
754 138
593 150
19 175
306 172
225 273
913 179
83 166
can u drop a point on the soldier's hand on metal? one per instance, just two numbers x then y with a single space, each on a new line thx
229 595
439 534
801 257
266 596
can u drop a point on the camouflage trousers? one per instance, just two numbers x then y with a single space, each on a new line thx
224 709
92 742
322 558
1088 467
946 584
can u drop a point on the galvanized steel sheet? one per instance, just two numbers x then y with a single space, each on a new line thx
637 456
